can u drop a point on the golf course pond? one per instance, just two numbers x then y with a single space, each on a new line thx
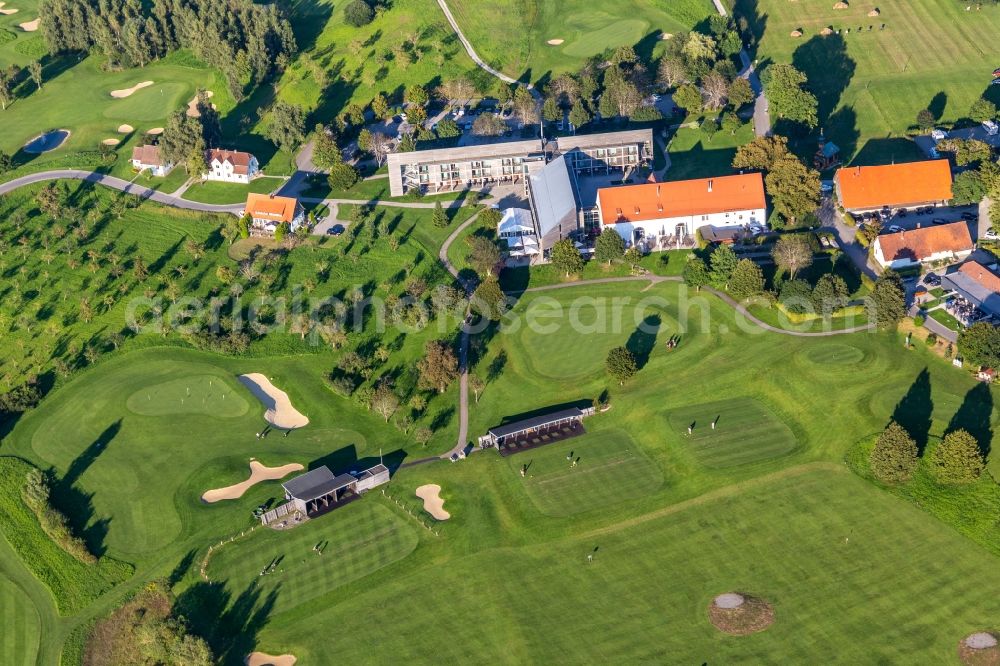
43 143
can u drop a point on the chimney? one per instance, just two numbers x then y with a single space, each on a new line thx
709 184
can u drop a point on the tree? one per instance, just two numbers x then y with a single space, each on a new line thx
524 106
6 89
740 93
783 85
830 293
448 129
358 13
621 364
925 120
966 151
439 217
715 88
438 367
983 110
792 253
343 176
747 280
894 457
326 153
489 300
422 435
35 71
181 137
980 344
458 89
957 459
730 44
886 303
384 400
484 255
578 115
731 123
688 97
796 296
794 188
671 72
489 124
551 111
6 163
761 153
968 187
696 272
566 257
287 128
699 47
633 256
379 145
381 107
477 385
609 246
416 94
723 262
490 217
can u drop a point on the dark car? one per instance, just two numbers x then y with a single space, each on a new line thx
970 216
336 230
939 220
932 280
901 212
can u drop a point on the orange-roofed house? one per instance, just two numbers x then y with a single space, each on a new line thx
868 188
267 211
230 166
946 242
663 215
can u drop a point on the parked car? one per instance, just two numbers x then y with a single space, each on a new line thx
939 220
969 216
939 134
991 235
995 82
826 186
932 280
901 212
336 230
756 230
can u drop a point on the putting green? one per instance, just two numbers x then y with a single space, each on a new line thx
148 103
615 33
610 469
833 353
356 540
200 394
21 625
745 432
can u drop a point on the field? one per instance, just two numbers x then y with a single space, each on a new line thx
610 469
732 432
871 84
512 35
214 192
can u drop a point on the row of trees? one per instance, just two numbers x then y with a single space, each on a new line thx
247 41
957 459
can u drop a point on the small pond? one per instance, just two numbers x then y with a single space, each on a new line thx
46 142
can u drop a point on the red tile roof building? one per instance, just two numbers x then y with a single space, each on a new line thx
928 244
925 183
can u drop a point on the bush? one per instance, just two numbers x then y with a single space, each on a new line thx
796 296
957 459
36 495
931 339
343 176
358 13
894 458
919 320
343 386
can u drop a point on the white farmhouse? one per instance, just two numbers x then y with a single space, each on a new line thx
149 158
663 215
230 166
946 242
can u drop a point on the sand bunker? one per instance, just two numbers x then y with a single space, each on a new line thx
111 142
873 13
6 12
192 109
826 31
155 131
433 504
979 649
841 5
127 92
795 33
278 408
258 473
667 35
264 659
125 129
740 614
29 26
555 42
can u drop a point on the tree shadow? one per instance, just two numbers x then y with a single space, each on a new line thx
77 505
231 629
750 23
842 128
890 150
975 416
937 105
825 62
181 569
643 339
913 411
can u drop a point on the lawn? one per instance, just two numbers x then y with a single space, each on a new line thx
732 432
356 541
871 84
609 468
17 46
214 192
693 154
21 625
512 35
942 317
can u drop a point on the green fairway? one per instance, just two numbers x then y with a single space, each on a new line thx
513 35
21 625
743 432
215 192
834 353
872 83
357 540
610 468
210 395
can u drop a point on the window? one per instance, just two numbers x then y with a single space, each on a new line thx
704 218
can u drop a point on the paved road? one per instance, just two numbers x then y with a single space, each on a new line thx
832 221
761 116
117 184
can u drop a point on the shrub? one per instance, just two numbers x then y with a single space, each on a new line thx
796 296
919 321
894 458
36 495
957 459
343 386
358 13
931 339
343 176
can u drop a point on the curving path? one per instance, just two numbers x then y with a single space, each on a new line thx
117 184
